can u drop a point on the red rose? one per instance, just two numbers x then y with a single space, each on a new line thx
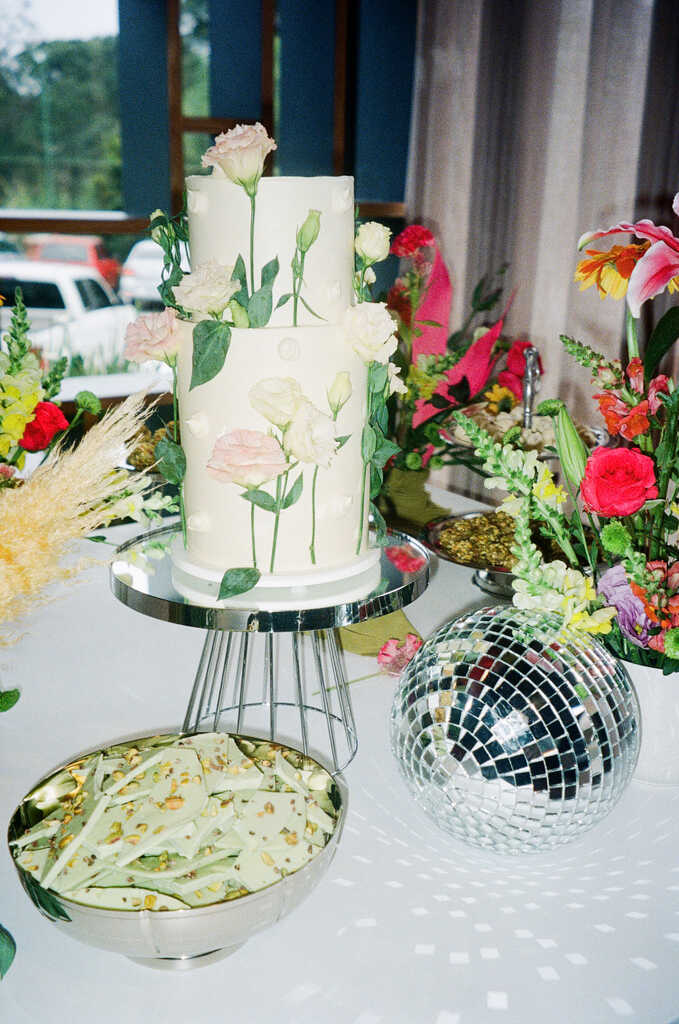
49 420
618 481
411 240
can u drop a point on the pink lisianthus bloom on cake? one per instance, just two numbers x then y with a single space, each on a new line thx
393 657
240 154
246 457
658 267
154 336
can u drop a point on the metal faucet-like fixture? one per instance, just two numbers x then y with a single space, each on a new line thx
531 380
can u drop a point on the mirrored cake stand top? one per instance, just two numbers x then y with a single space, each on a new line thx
141 577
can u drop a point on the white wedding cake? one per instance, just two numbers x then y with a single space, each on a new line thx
281 380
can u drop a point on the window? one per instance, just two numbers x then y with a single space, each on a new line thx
92 294
37 294
70 252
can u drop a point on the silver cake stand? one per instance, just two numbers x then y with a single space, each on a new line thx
277 674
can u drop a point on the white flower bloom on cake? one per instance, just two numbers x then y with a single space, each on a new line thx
240 154
311 436
277 399
372 242
246 457
208 289
369 329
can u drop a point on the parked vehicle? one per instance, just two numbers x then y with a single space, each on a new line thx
88 250
72 310
141 273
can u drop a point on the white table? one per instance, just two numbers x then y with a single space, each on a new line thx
408 926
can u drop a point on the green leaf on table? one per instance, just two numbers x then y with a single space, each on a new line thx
171 460
260 306
98 538
262 499
269 271
238 581
239 274
211 340
8 699
662 339
7 951
47 904
294 493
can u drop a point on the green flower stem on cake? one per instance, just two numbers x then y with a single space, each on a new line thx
306 236
175 434
253 197
312 546
279 499
252 534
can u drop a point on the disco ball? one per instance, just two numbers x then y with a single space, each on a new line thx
513 732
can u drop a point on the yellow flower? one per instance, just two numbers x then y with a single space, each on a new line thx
546 491
422 383
14 425
596 622
609 271
500 399
5 444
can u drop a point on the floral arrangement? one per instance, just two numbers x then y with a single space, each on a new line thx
29 420
444 373
620 573
222 298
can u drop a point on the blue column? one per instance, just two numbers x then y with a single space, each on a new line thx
142 61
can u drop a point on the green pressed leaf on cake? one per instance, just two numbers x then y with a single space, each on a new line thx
238 581
381 417
377 376
309 309
269 271
283 299
368 443
384 452
260 307
8 699
171 460
379 525
239 274
7 951
294 493
239 314
341 441
211 340
260 498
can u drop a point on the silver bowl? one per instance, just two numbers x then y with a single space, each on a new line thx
492 579
170 939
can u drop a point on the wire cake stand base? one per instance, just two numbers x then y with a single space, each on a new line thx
275 674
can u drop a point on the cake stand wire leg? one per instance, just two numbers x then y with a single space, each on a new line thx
244 644
222 683
214 673
205 653
209 681
269 671
342 691
298 688
324 694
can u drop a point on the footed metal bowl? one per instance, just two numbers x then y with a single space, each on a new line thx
170 939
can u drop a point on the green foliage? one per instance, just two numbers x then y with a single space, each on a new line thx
238 581
171 460
211 340
262 499
662 339
8 699
88 402
7 951
294 494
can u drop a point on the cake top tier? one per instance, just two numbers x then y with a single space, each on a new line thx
305 224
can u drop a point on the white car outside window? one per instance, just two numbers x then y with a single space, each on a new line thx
72 310
141 274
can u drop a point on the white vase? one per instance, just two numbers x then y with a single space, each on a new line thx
659 703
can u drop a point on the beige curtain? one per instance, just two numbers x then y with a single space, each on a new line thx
529 125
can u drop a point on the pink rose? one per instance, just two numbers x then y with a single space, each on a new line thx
393 657
618 481
6 472
246 457
154 336
240 154
658 386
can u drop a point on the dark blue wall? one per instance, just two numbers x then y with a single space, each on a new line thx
235 59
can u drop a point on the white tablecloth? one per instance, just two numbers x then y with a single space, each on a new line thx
408 926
